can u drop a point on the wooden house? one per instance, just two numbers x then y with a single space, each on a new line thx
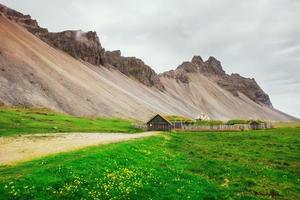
159 123
255 125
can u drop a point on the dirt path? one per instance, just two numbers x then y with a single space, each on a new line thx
27 147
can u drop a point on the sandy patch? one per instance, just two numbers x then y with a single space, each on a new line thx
27 147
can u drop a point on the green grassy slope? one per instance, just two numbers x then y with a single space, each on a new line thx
227 165
15 121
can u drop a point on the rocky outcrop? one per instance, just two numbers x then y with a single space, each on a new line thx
24 20
179 75
134 68
82 45
87 47
78 44
212 69
248 86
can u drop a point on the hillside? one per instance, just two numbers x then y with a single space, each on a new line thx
71 72
213 70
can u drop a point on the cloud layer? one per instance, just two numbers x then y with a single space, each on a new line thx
258 38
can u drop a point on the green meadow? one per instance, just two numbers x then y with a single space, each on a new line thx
17 121
262 164
206 165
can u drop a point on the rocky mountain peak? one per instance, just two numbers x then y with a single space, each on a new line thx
197 60
213 61
211 67
87 47
24 20
80 45
17 16
213 70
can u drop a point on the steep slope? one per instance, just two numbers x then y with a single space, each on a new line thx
80 45
213 70
87 47
33 73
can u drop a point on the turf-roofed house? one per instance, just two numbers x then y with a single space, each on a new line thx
159 123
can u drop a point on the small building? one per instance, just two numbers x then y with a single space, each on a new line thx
255 125
202 117
159 123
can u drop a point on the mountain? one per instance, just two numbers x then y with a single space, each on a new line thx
71 72
87 47
213 70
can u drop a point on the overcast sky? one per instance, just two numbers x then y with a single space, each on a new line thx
257 38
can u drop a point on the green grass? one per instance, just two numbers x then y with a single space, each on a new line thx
287 124
250 165
237 121
209 122
176 118
228 165
14 121
242 121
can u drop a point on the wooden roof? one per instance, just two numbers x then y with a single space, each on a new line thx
161 117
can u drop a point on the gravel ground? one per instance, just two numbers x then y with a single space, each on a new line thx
28 147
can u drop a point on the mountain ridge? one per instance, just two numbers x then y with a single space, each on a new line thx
213 69
36 73
87 46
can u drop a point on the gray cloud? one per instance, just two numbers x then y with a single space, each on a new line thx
258 38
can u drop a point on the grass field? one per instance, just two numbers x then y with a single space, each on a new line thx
14 121
287 124
228 165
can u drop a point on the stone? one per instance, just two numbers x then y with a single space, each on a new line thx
133 67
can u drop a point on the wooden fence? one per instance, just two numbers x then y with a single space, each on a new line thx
223 127
140 126
236 127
